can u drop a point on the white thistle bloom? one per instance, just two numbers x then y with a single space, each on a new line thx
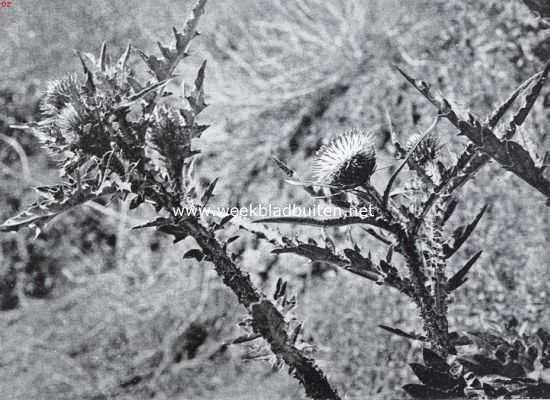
348 160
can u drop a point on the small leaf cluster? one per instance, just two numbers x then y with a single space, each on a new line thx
498 364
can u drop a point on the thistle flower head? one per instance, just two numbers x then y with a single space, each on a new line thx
427 149
69 120
348 160
58 94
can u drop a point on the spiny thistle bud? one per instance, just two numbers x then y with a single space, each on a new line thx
92 116
348 160
58 94
168 141
426 151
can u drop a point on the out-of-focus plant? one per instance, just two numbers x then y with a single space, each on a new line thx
286 50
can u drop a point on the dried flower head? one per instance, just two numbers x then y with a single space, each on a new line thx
348 160
427 149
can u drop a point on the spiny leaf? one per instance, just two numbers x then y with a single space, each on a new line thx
389 254
245 338
460 277
356 258
208 192
312 221
461 234
199 80
196 97
165 67
40 213
135 84
223 221
378 236
530 99
329 243
495 392
155 65
179 232
272 236
504 107
518 157
148 89
486 341
291 220
280 289
424 392
437 379
90 85
52 192
103 57
165 51
123 61
194 253
295 333
449 210
154 223
443 106
314 253
297 181
399 332
83 63
508 154
285 168
481 365
546 160
190 28
136 202
434 360
232 239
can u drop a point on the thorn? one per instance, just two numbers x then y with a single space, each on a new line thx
125 56
165 51
405 75
84 66
103 56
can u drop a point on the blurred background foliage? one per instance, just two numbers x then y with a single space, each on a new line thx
93 310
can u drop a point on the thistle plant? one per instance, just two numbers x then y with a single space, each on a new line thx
411 221
123 137
117 136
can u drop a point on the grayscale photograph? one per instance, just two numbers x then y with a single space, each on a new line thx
274 199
